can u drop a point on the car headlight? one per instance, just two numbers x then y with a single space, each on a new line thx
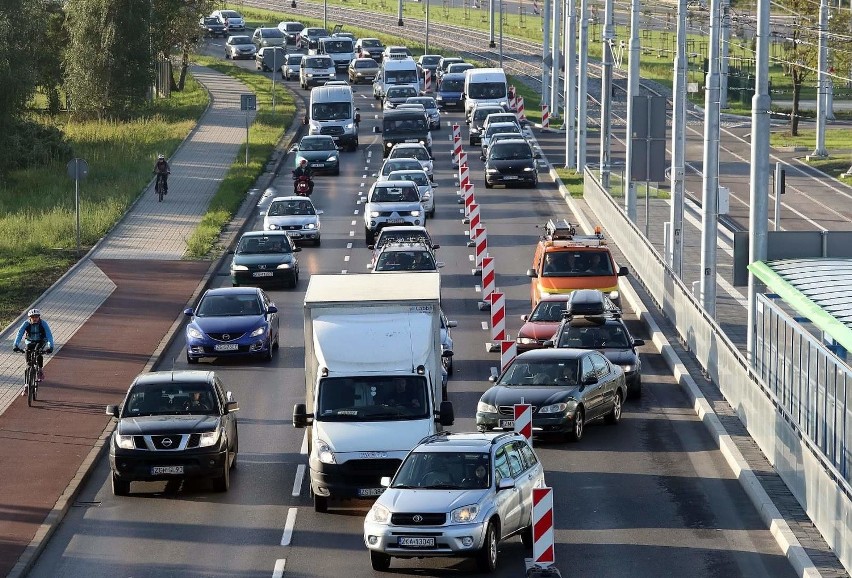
194 333
324 453
378 514
528 169
614 295
465 514
349 126
554 408
210 438
310 226
239 268
284 266
374 214
310 74
332 159
272 227
439 97
526 340
258 332
124 442
389 144
415 213
427 196
628 368
422 142
492 171
483 407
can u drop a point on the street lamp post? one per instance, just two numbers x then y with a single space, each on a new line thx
398 13
426 41
325 14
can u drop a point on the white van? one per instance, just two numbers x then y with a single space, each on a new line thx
332 112
340 49
396 72
316 70
484 86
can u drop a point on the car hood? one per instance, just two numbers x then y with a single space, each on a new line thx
509 164
620 356
318 155
285 220
429 501
269 259
567 284
231 324
373 436
538 329
166 424
398 207
535 395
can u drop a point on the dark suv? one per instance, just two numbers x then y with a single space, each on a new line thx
592 321
174 425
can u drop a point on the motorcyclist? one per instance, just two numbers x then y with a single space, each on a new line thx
33 331
162 170
303 170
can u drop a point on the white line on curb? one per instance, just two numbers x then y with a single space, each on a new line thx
304 449
288 527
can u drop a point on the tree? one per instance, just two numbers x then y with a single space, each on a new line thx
175 25
108 65
48 61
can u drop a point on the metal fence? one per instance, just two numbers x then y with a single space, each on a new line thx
800 460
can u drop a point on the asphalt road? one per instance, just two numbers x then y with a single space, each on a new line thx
650 497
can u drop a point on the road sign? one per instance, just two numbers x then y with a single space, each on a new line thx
248 101
78 169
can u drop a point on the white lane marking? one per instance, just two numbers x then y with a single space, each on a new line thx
367 168
363 176
304 448
343 272
470 257
369 153
297 483
351 233
362 185
477 288
346 259
355 213
278 571
288 527
353 223
348 246
485 326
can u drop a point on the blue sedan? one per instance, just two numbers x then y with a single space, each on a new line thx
232 321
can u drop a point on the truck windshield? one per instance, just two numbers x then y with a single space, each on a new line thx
337 46
487 90
372 398
331 111
413 124
401 77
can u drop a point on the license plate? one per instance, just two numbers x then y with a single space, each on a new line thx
510 178
226 347
449 103
412 542
315 165
394 221
370 491
507 423
262 274
172 470
411 140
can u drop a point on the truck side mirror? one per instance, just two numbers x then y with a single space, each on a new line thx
532 273
452 323
447 417
377 130
112 410
301 417
623 271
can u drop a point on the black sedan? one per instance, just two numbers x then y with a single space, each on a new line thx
265 257
567 388
511 162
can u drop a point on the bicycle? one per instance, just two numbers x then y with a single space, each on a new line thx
32 352
160 187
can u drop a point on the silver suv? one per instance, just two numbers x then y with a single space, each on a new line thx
391 203
456 494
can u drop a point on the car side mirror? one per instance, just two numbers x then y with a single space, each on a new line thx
446 417
357 118
451 324
377 130
293 148
548 344
638 342
439 264
301 417
525 317
505 484
590 380
447 353
537 156
385 481
297 249
436 246
112 410
188 312
435 185
231 406
230 251
482 157
532 273
320 212
371 247
369 265
623 271
272 309
492 378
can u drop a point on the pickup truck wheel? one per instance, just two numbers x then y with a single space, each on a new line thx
486 558
120 487
379 561
320 504
223 482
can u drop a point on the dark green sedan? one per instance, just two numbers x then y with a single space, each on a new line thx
265 258
320 151
567 389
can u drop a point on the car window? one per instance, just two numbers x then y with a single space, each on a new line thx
548 311
527 453
511 151
516 462
588 367
601 365
557 372
501 464
171 399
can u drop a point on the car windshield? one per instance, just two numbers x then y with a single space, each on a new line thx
372 398
395 195
342 45
599 337
560 372
294 59
170 399
502 127
508 151
419 178
271 33
283 208
401 91
371 43
445 64
402 77
318 63
316 32
576 264
487 90
331 111
389 236
237 40
229 305
459 67
444 471
317 144
365 63
548 311
405 261
428 103
482 113
273 244
404 125
452 85
418 153
430 60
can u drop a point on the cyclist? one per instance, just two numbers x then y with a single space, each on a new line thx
303 170
162 170
35 330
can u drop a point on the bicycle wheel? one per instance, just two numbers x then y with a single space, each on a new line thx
160 189
30 379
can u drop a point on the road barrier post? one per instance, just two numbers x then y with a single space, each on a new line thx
523 411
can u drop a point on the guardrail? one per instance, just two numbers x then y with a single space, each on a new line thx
812 478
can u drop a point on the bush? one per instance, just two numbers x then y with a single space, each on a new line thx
31 144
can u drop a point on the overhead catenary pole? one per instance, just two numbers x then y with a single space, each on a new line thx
490 23
710 181
325 13
501 34
426 39
822 80
606 95
675 232
555 48
546 55
632 91
583 86
570 87
759 171
398 13
726 41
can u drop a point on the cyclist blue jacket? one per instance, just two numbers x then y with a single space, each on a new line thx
39 331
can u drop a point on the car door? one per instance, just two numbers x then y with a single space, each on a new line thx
606 382
229 421
592 395
533 477
508 502
525 481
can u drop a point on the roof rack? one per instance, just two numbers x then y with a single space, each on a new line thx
502 435
581 304
434 436
562 230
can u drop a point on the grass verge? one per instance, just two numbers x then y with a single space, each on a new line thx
572 180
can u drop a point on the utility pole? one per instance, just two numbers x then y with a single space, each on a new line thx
555 48
583 86
759 173
632 91
490 23
675 243
547 57
726 42
606 95
822 78
570 82
710 188
398 13
426 40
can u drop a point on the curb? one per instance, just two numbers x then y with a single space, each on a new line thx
775 523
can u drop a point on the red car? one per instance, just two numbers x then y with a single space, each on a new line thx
542 323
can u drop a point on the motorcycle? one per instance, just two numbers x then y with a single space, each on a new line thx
302 186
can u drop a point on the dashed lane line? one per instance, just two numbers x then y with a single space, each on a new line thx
288 527
278 570
297 483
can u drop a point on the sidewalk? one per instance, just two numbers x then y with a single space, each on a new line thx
108 314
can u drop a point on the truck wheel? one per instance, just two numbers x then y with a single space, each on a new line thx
120 487
379 561
368 236
223 482
320 504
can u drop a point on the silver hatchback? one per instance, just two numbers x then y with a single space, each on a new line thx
456 494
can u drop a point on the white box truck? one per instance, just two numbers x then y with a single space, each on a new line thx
372 378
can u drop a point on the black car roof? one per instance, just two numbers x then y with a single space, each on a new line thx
403 113
186 376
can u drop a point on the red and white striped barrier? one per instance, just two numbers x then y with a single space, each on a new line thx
545 117
464 172
456 132
523 411
457 150
522 117
513 103
498 314
488 279
542 519
481 243
508 352
468 199
427 80
473 217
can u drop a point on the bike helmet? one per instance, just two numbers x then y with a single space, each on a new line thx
34 313
303 162
162 157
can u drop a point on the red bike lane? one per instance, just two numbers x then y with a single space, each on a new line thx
43 447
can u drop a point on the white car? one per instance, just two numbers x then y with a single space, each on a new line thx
391 203
238 46
292 65
424 185
295 215
494 128
232 19
413 150
401 164
396 53
447 343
